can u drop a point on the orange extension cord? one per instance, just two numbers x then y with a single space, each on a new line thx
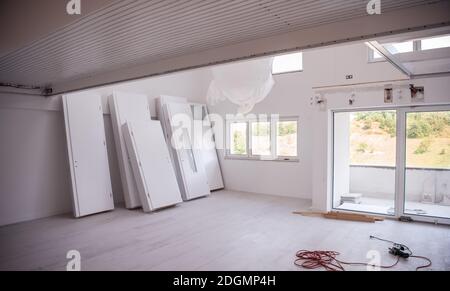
328 260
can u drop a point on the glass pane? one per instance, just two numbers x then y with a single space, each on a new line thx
372 138
427 177
436 42
400 47
288 63
287 139
238 138
261 139
376 55
364 161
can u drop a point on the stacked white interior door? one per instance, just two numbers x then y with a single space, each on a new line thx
152 166
161 113
161 101
127 107
206 140
188 160
88 158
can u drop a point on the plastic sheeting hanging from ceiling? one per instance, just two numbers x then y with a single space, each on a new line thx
244 83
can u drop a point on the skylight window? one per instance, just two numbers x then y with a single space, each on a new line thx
431 43
288 63
436 42
376 55
400 47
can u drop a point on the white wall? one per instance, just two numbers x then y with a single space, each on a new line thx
34 169
34 179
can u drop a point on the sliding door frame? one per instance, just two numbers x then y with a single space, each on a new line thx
400 167
351 110
401 163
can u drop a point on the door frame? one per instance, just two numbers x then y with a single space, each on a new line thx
400 167
401 163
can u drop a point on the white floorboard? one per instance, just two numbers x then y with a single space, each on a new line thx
227 231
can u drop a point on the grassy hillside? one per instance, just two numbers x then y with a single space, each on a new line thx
373 139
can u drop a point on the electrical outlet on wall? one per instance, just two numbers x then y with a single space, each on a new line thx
349 77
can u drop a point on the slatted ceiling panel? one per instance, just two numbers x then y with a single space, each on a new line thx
78 44
107 57
131 32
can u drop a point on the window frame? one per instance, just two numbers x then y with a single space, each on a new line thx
400 166
417 47
250 137
228 138
433 37
292 71
287 119
273 139
371 57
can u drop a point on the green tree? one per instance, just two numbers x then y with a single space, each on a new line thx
239 142
287 128
261 129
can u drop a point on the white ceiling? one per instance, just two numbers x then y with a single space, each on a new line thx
132 32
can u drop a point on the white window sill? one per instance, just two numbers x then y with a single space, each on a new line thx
287 72
374 61
280 159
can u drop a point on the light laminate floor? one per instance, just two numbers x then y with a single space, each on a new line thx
228 231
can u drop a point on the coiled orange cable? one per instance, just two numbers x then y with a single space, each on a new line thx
328 260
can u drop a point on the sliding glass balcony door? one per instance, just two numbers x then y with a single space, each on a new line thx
393 162
365 145
425 179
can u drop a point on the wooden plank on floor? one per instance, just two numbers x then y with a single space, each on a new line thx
341 216
352 215
309 213
349 216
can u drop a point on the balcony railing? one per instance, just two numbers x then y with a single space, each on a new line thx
379 182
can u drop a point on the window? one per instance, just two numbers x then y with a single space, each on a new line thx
372 137
377 55
287 63
393 48
431 43
261 139
287 138
436 42
392 161
400 47
238 138
374 56
271 138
